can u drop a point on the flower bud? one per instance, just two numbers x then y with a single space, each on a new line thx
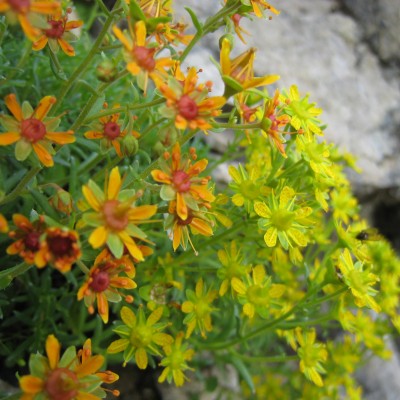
62 201
130 145
106 70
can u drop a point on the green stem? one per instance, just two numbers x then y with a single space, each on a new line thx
86 62
237 126
122 109
21 186
7 276
82 267
24 58
262 329
266 359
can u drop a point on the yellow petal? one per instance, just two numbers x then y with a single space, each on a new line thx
89 367
140 33
114 184
141 358
40 43
91 198
181 207
61 137
117 346
141 212
53 351
121 37
98 237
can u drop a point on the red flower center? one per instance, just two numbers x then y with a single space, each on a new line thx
56 31
187 107
20 6
60 245
236 18
112 130
115 219
31 241
144 57
33 129
187 221
181 181
100 281
61 384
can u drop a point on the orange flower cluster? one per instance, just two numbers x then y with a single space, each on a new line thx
188 195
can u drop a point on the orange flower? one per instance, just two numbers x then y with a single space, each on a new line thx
115 216
60 248
272 123
103 282
181 181
108 129
58 34
27 237
27 13
72 376
238 29
188 103
179 228
260 5
32 130
140 57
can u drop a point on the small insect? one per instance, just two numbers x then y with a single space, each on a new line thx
371 234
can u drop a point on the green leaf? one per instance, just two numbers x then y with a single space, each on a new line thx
136 12
197 24
243 371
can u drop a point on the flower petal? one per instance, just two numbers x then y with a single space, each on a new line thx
89 367
45 158
53 351
114 184
61 137
9 138
13 105
44 107
98 237
31 384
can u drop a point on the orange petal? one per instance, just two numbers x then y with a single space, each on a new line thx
92 365
160 176
133 68
122 38
44 7
53 351
31 32
201 226
177 236
31 384
61 137
9 138
44 107
45 158
181 207
86 396
93 135
13 105
40 43
66 47
73 25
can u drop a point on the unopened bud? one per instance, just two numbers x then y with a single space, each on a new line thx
62 201
106 70
130 145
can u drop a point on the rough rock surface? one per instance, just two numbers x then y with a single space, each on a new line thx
320 47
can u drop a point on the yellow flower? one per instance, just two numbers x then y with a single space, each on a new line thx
181 182
28 13
175 361
359 281
311 355
259 6
140 337
103 283
71 376
32 130
258 293
199 309
58 34
115 217
188 103
238 73
140 56
284 220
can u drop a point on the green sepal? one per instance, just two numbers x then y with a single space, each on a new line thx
38 365
197 24
22 150
115 245
68 357
167 193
